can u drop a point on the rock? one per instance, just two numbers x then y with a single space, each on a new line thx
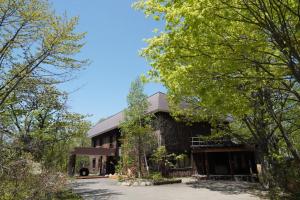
135 184
148 183
143 184
126 183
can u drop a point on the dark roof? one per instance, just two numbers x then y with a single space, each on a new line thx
157 103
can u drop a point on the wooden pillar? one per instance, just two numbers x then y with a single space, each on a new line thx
203 165
193 163
71 165
100 165
231 169
206 164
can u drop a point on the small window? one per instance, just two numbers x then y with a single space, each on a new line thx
94 162
111 140
94 143
100 141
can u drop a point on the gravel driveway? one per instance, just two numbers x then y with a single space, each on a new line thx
104 188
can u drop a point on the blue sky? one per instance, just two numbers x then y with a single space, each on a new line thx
115 34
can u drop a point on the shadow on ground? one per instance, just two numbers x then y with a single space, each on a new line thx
98 194
84 183
230 187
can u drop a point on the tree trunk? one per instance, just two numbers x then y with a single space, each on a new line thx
71 165
146 163
139 157
290 145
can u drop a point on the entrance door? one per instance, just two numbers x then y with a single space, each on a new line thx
110 165
218 163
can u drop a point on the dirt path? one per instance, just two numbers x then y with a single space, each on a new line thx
100 189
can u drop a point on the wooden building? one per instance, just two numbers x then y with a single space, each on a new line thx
213 158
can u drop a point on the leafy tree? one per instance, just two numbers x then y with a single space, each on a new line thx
35 43
37 131
136 130
165 160
232 57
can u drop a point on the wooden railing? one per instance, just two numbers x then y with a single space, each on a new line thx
199 142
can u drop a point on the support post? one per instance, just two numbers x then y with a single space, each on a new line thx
230 165
206 164
193 164
71 165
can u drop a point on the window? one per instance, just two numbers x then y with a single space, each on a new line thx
100 141
94 162
111 140
94 143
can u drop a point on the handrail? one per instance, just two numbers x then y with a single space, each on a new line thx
197 141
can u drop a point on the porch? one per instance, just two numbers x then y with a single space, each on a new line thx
101 160
223 160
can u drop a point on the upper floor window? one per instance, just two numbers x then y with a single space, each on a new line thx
100 141
94 143
111 140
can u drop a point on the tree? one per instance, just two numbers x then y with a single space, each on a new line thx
232 57
38 122
164 160
35 43
37 131
136 130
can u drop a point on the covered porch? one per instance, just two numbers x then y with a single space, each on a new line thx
101 160
223 160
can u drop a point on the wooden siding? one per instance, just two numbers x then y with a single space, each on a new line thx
94 151
176 136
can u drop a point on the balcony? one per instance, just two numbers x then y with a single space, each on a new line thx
198 142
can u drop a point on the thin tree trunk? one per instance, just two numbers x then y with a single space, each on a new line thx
290 145
139 157
146 163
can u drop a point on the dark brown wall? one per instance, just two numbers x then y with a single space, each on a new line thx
176 136
109 139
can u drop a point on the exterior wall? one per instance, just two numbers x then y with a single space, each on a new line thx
106 140
97 164
176 136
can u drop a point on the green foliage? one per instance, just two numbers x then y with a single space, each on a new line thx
66 194
38 122
81 161
35 42
156 176
37 131
165 160
236 58
23 178
137 137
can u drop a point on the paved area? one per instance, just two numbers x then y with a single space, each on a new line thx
108 189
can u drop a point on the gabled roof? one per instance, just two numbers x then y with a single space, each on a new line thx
157 103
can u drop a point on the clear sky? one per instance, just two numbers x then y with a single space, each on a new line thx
115 34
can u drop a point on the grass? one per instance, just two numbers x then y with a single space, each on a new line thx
67 195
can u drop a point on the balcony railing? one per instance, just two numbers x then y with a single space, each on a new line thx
199 142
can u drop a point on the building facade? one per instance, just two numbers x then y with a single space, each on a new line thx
207 158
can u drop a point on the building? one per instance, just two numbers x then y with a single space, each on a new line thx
210 158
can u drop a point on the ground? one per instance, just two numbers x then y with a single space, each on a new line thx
108 189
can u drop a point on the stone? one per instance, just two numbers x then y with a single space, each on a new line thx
135 184
143 183
148 183
126 183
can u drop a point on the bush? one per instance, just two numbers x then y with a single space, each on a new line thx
156 176
22 178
